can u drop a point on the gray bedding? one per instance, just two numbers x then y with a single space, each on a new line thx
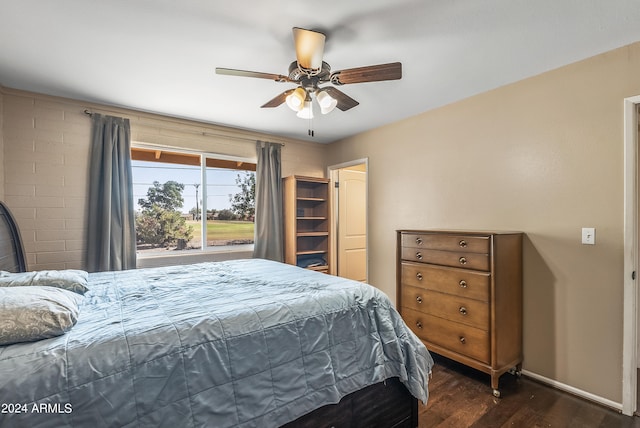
246 343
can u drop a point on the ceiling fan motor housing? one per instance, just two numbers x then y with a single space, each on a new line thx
309 81
296 72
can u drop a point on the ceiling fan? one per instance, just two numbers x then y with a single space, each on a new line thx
309 71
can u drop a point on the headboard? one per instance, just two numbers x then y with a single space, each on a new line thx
12 257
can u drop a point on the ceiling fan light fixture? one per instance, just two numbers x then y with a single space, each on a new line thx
307 111
296 99
327 102
309 48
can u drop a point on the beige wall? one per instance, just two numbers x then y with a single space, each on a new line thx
544 156
45 166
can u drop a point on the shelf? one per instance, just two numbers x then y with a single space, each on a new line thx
312 199
318 268
306 253
315 233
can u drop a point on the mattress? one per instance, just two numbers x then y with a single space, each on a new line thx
243 343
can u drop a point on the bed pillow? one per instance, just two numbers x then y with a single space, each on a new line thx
68 279
33 313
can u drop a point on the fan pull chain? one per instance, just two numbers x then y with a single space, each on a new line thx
310 130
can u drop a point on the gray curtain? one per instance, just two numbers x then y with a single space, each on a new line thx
111 235
269 223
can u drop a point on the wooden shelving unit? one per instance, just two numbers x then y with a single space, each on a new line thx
306 222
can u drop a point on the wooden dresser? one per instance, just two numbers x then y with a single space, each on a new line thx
461 293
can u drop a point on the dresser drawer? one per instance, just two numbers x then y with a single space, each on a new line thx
463 260
463 339
462 282
470 244
447 306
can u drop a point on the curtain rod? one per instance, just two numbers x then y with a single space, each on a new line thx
210 134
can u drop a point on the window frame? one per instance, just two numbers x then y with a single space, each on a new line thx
203 156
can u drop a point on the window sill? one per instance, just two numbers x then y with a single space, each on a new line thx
182 253
183 257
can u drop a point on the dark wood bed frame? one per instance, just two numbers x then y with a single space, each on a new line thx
12 258
386 404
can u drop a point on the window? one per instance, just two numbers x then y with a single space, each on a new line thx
189 201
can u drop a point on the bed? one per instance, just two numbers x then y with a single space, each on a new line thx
242 343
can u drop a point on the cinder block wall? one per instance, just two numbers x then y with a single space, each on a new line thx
46 147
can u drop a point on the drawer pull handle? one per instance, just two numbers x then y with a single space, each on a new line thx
419 255
463 243
419 325
419 240
463 283
419 299
463 310
463 261
463 340
419 276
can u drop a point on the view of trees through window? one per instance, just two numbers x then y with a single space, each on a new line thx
177 195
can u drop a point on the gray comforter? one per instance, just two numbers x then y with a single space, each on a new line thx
246 343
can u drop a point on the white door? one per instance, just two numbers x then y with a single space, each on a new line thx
352 224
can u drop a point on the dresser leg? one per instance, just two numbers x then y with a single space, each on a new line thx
495 380
516 371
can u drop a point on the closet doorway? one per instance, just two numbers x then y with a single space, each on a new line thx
349 197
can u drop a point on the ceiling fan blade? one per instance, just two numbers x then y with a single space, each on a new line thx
244 73
279 99
371 73
309 46
345 102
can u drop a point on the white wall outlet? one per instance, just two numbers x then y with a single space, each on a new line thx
589 235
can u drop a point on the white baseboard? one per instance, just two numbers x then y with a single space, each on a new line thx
575 391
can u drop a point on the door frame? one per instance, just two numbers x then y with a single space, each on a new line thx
332 172
630 295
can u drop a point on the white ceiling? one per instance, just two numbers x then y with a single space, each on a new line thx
160 55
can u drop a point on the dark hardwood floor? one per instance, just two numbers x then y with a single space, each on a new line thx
462 397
